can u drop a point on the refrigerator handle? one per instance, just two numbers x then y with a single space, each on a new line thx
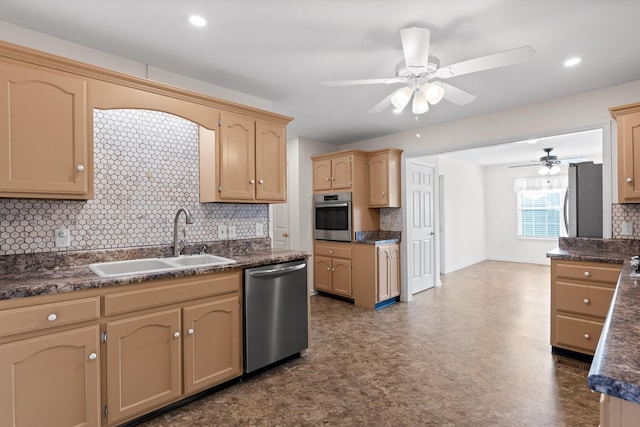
565 212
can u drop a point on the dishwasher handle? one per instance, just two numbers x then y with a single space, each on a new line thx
278 271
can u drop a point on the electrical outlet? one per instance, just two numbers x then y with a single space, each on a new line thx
627 228
222 232
259 229
63 237
233 232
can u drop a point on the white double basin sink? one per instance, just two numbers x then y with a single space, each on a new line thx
156 265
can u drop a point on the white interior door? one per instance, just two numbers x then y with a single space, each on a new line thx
281 238
420 227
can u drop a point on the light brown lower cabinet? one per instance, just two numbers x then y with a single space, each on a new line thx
332 268
581 294
376 273
615 412
105 356
51 380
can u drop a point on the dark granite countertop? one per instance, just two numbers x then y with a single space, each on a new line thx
379 237
40 274
615 369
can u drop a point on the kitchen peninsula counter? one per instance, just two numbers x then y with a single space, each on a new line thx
615 370
27 275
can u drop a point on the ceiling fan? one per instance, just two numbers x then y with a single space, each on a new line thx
421 74
548 164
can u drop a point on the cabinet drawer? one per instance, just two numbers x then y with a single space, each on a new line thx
583 299
589 272
340 251
577 334
43 316
174 292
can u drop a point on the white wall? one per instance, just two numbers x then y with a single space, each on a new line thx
45 43
464 213
502 240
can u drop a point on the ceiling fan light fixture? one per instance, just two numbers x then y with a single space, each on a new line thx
543 170
401 97
434 92
420 103
554 170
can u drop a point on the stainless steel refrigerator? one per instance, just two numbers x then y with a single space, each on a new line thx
583 200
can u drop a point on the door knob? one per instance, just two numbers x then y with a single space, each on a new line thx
285 234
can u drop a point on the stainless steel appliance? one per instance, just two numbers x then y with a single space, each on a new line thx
583 200
276 322
332 217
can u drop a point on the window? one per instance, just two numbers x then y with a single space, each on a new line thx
539 213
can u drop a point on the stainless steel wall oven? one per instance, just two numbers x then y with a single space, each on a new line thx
332 217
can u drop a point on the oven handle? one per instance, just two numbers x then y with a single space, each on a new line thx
333 205
278 271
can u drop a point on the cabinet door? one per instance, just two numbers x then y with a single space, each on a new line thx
382 261
379 180
237 157
341 172
629 157
44 142
322 273
394 271
341 277
321 175
271 162
53 380
211 343
143 363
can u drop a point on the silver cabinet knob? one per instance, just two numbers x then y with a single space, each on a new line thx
93 356
328 269
333 269
80 168
261 181
629 180
329 179
587 336
383 193
333 179
587 274
251 181
586 300
51 317
330 251
176 334
190 331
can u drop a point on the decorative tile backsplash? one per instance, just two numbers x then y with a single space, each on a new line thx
146 168
391 219
625 212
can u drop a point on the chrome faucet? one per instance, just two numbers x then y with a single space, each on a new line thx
177 245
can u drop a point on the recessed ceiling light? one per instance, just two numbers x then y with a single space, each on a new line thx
572 62
197 21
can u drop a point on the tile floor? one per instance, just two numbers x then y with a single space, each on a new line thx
474 352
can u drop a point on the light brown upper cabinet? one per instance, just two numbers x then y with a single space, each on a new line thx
384 178
628 119
333 173
244 163
45 148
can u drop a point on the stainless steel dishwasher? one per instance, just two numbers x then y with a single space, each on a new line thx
276 322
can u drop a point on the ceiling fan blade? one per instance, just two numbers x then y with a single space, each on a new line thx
500 59
363 82
381 105
524 166
455 95
415 45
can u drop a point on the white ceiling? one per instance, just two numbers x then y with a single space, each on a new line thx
280 50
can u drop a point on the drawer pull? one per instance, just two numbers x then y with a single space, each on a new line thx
52 317
190 331
176 334
587 336
93 356
587 274
330 251
586 301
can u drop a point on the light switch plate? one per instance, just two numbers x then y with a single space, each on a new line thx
222 232
627 228
233 232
